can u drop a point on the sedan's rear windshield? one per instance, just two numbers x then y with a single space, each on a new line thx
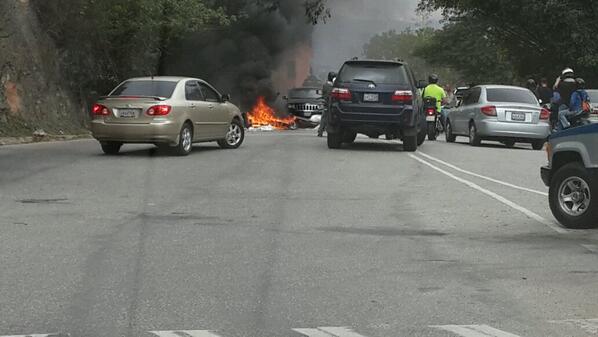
305 93
593 95
378 73
145 88
511 96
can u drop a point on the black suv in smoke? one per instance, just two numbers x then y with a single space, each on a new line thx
306 104
375 98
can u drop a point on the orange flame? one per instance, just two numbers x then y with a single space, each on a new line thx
263 115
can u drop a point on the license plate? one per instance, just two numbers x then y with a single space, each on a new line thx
430 118
371 97
127 113
518 116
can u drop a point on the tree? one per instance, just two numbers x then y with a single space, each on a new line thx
406 45
537 37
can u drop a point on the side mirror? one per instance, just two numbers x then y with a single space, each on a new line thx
332 76
421 84
226 97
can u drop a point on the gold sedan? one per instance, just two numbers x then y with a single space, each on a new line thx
171 112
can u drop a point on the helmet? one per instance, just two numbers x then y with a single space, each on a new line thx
581 84
433 79
531 83
567 71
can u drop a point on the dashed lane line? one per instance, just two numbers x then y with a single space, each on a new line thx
473 174
328 331
551 224
185 333
474 330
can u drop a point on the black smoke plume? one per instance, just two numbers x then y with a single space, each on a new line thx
240 58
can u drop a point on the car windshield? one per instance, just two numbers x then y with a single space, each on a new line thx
377 73
145 88
506 95
305 93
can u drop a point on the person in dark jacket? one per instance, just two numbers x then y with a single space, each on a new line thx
565 85
545 92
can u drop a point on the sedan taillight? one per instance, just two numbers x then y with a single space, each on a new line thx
544 114
489 111
100 110
159 110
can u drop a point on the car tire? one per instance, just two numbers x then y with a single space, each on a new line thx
509 143
450 137
185 145
334 139
562 191
234 136
474 137
111 148
538 145
349 137
410 143
432 131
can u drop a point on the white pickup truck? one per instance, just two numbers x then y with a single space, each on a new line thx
572 175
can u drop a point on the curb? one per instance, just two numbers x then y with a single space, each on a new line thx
45 139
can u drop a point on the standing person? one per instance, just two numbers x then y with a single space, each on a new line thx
532 85
326 90
545 92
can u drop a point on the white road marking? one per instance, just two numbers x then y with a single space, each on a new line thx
589 325
328 331
185 333
500 182
34 335
474 330
552 225
591 248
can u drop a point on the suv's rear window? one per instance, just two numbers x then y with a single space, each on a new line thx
145 88
511 96
379 73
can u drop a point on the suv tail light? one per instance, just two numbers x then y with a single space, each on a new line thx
489 110
159 110
402 96
544 114
100 110
341 94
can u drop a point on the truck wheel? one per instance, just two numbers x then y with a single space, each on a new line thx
349 137
450 137
410 143
432 131
509 143
573 197
538 145
421 136
111 148
334 139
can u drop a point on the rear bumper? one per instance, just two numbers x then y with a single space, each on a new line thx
400 117
496 129
155 132
545 173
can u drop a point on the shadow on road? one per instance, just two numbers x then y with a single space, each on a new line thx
373 146
153 151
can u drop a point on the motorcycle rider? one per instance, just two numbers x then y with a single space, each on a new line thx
578 104
566 85
433 90
545 93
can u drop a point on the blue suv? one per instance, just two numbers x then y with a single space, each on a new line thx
375 98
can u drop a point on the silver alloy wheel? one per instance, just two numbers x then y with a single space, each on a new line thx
233 137
186 139
574 196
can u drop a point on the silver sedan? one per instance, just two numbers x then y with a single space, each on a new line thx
506 114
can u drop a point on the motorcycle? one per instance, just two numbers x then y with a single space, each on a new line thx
434 124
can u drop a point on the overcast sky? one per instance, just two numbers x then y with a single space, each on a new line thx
354 22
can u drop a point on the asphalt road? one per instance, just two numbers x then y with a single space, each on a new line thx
283 237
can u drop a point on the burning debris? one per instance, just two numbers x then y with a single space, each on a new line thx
263 117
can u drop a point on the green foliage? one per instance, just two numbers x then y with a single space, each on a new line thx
406 45
535 37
